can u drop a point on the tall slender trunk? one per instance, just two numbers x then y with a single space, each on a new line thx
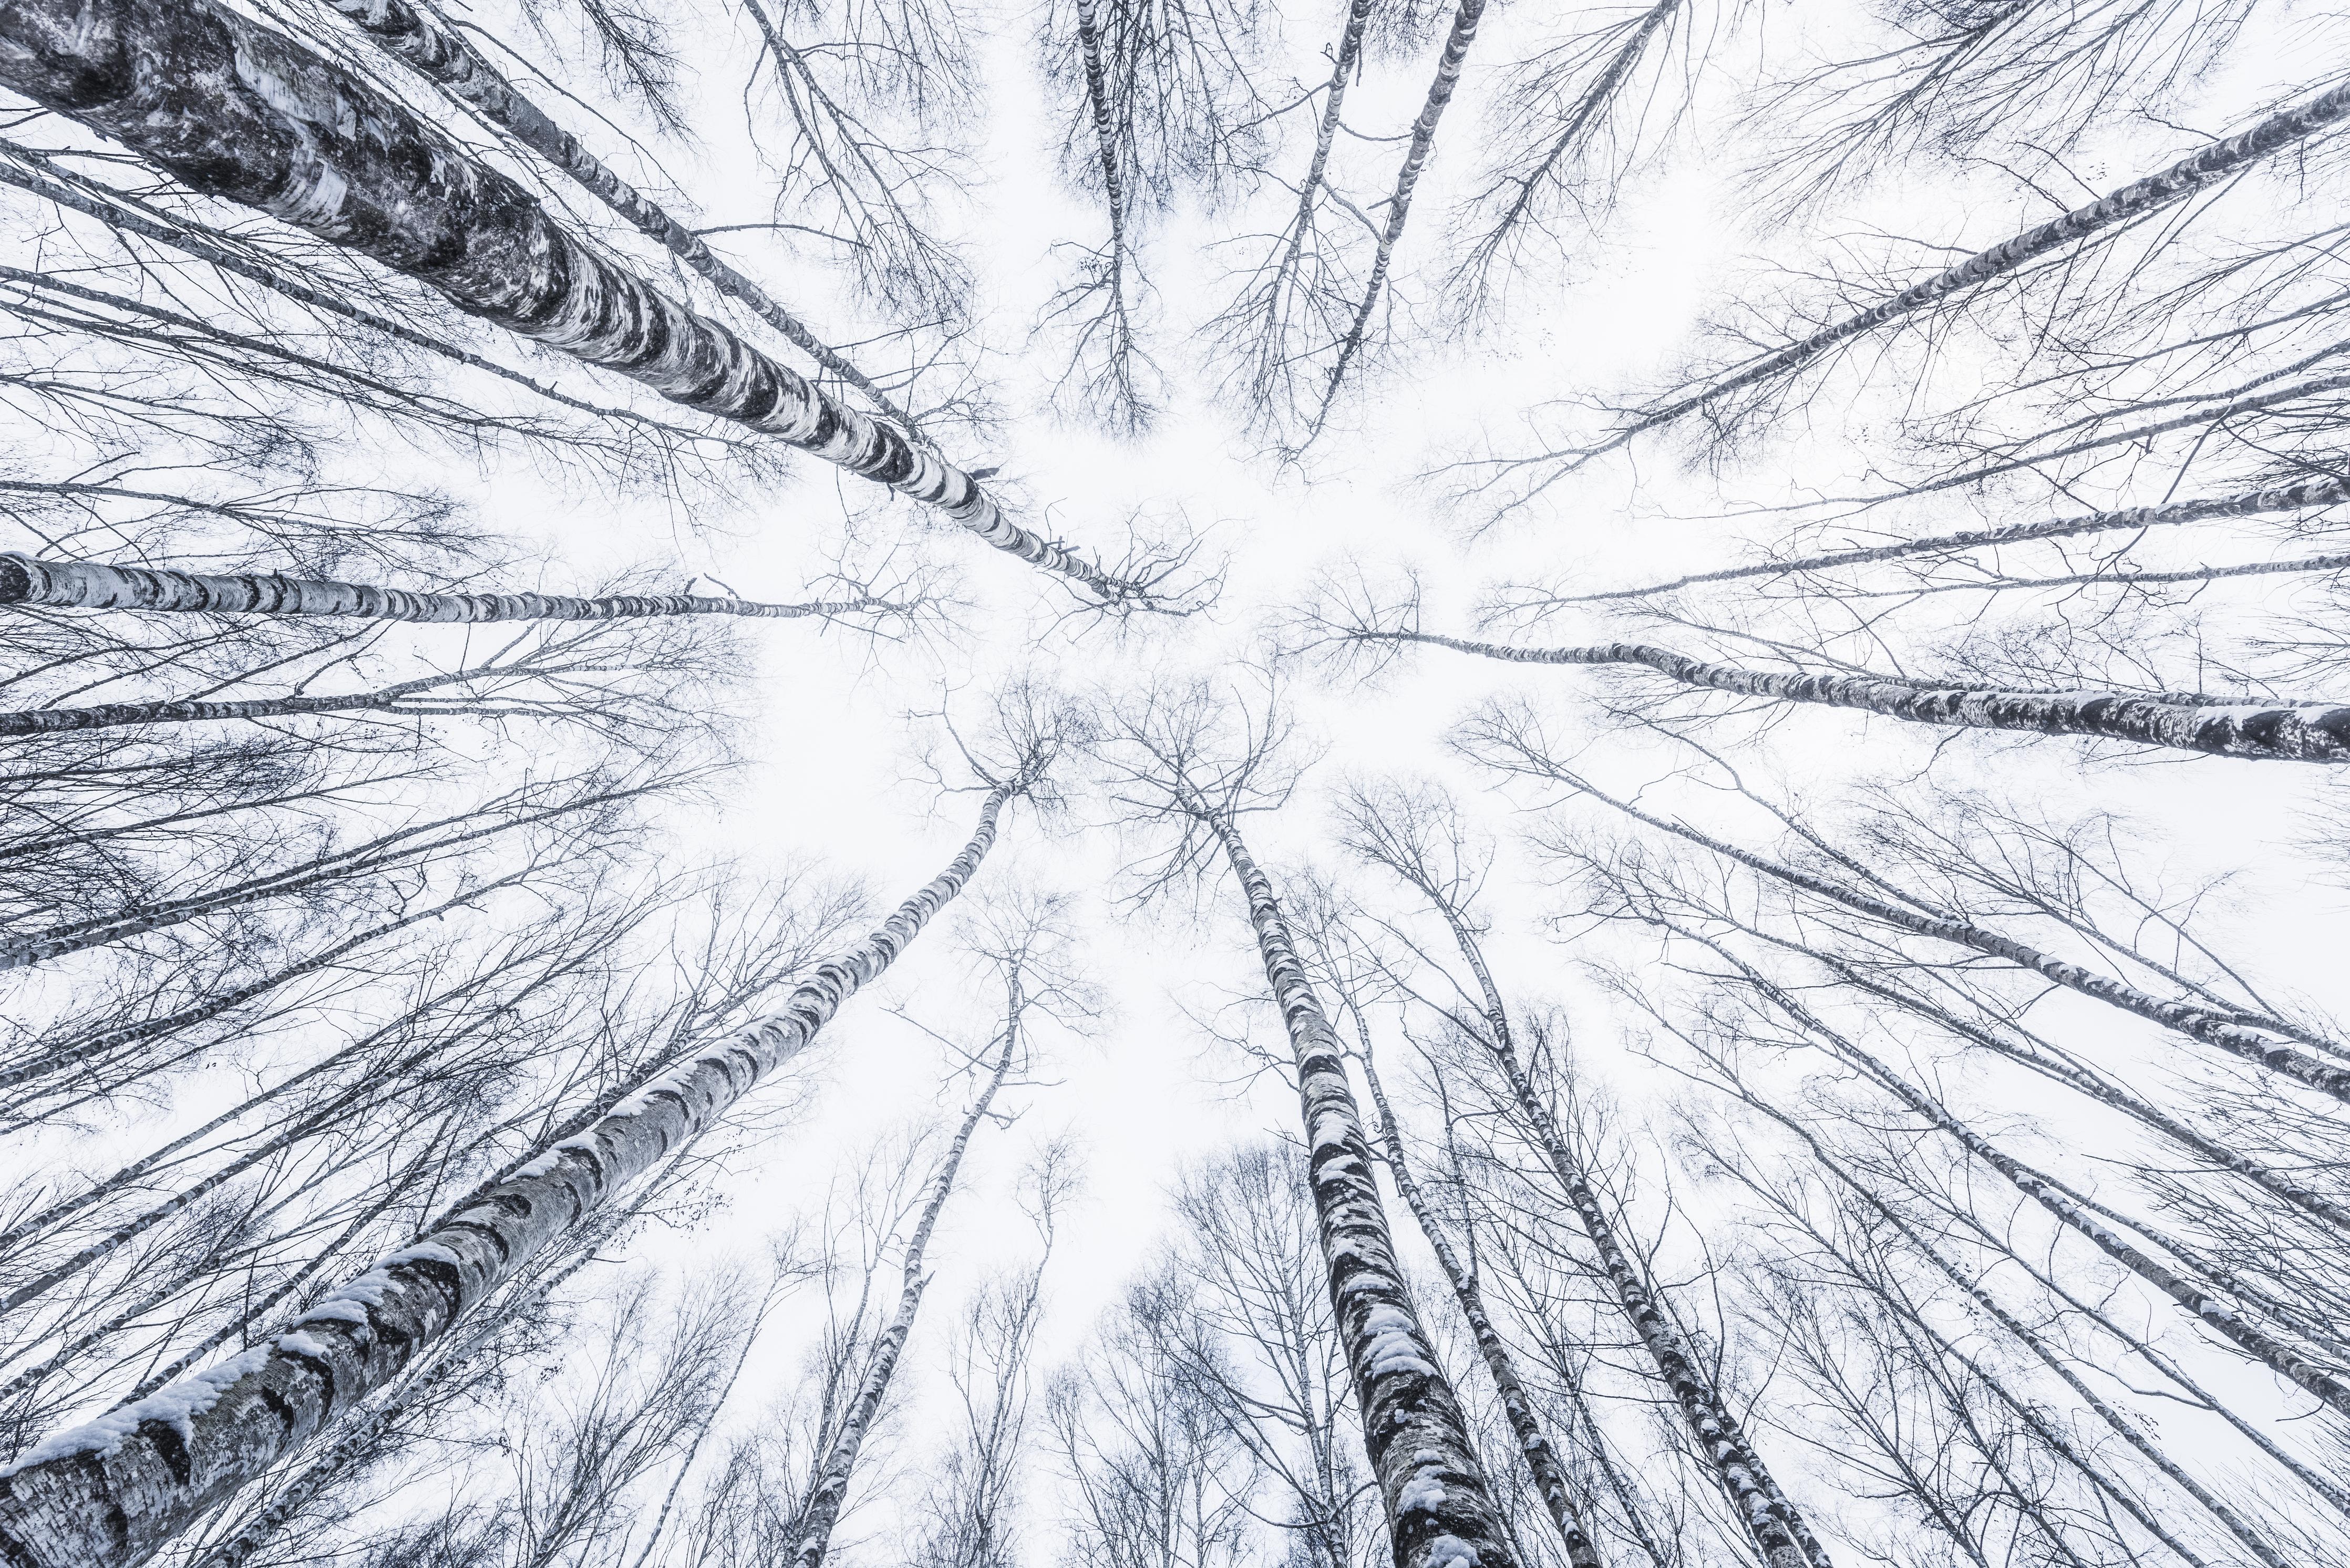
89 585
1541 1455
1777 1525
2300 495
829 1490
242 112
1114 191
1415 158
116 715
109 1494
2063 1205
2311 732
2024 1335
437 52
2208 1025
1439 1508
2201 170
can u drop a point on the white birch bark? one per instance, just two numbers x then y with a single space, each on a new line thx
1534 1447
437 52
243 113
191 711
2200 171
2304 732
1423 139
1439 1507
90 584
828 1491
112 1493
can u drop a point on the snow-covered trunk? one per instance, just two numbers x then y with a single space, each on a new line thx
244 113
1541 1455
88 584
2311 732
1777 1525
2300 495
2063 1206
1439 1508
2200 171
112 1493
1398 203
436 51
829 1490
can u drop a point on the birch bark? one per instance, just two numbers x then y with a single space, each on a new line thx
2206 1024
2304 732
438 53
830 1491
89 585
1439 1508
112 1493
1541 1455
239 111
1423 139
2200 171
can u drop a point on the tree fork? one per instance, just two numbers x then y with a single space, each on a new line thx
112 1493
243 113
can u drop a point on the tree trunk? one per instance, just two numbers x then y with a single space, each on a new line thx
241 113
2261 731
1439 1508
829 1490
1541 1456
88 584
1423 139
112 1493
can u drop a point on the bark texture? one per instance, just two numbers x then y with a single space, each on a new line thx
1439 1507
243 113
2311 732
436 51
1541 1455
112 1493
88 585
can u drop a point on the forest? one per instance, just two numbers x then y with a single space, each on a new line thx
1538 785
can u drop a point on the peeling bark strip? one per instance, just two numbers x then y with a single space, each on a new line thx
830 1491
112 1493
1423 139
2200 171
2311 733
237 111
434 50
2301 495
1540 1454
88 584
1439 1508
